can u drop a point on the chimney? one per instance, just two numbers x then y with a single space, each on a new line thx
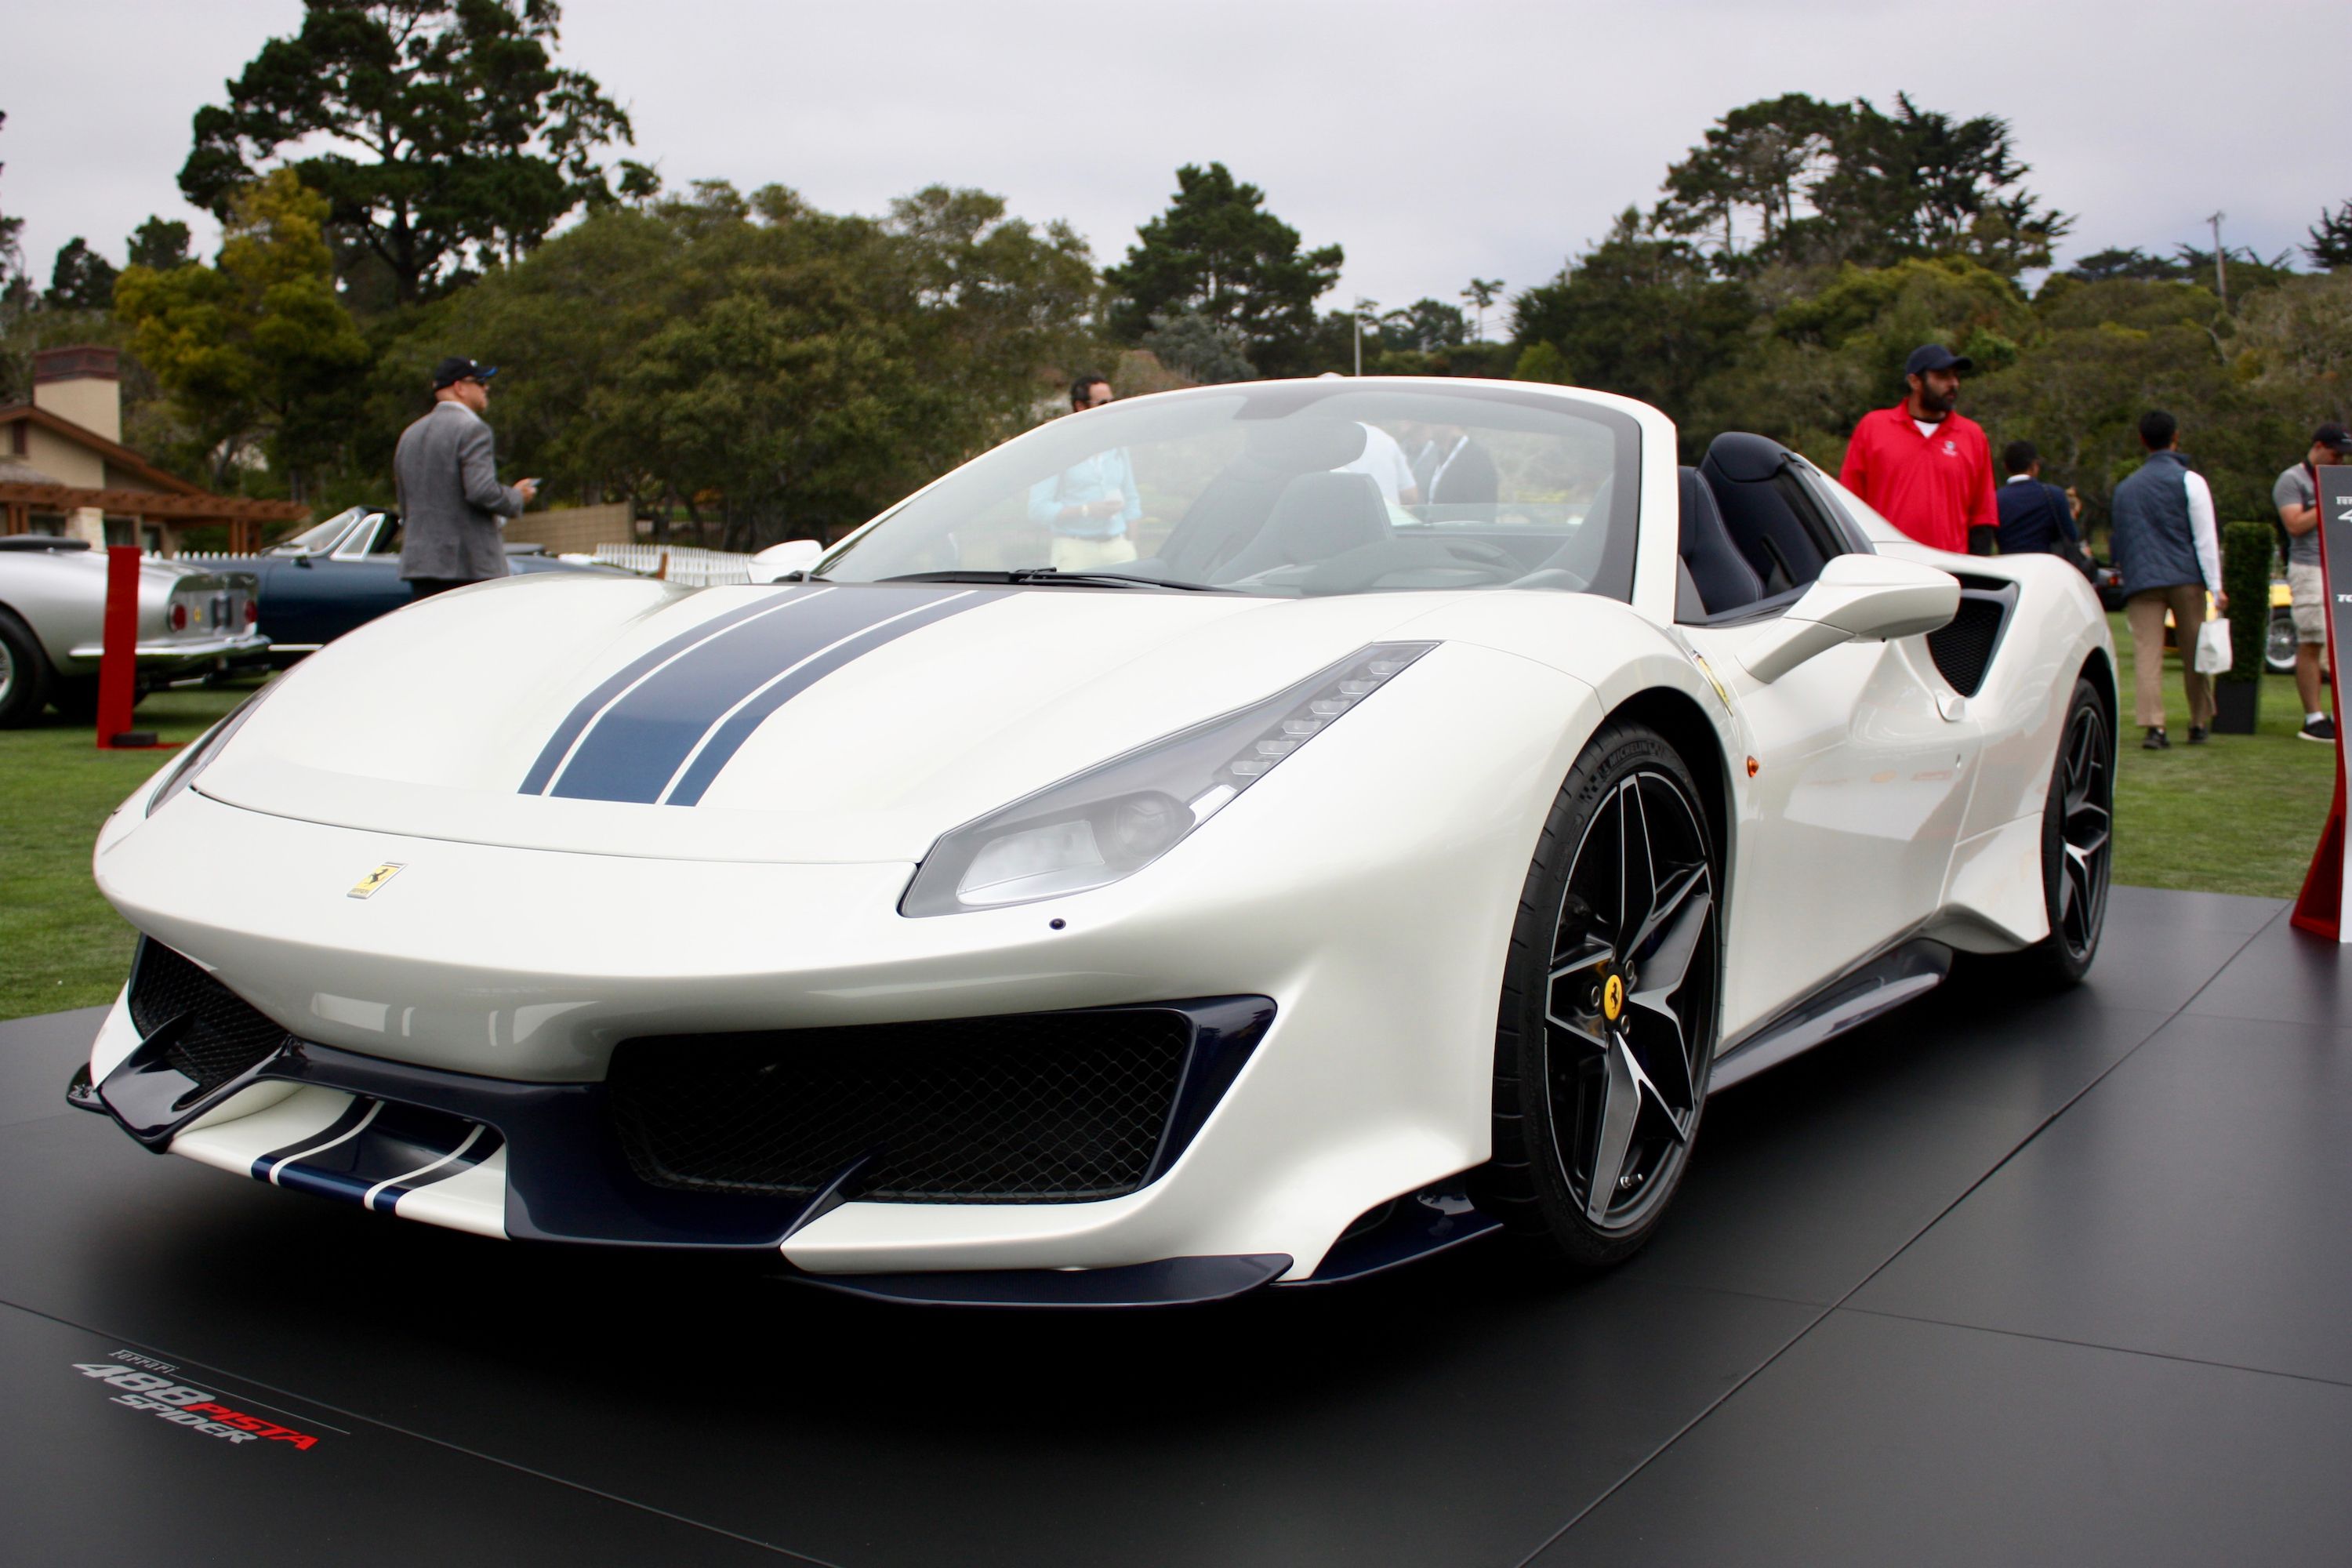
83 384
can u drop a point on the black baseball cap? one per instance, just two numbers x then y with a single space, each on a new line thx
457 368
2334 437
1935 356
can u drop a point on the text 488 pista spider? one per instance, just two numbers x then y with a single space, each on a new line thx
1244 835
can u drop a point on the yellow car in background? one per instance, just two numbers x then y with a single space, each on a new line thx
2278 647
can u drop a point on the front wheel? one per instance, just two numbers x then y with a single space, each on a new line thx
1607 1026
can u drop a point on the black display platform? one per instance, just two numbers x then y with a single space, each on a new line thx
1994 1279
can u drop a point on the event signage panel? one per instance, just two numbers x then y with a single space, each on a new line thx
2321 907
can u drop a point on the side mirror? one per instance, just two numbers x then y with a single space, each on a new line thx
1857 598
790 559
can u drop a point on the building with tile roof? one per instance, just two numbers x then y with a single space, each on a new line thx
64 470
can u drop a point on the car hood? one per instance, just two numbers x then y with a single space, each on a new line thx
810 723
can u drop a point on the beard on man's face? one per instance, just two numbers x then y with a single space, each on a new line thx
1938 403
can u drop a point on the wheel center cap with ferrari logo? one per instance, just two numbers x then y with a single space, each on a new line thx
1612 997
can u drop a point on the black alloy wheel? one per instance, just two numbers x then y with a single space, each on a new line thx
1608 1023
2077 843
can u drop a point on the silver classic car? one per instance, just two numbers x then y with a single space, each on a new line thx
52 625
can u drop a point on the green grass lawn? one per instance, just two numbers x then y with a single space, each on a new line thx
60 944
2237 816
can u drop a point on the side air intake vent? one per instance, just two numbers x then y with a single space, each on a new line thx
225 1034
1963 649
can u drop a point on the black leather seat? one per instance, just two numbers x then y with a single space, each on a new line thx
1234 508
1318 516
1720 572
1753 490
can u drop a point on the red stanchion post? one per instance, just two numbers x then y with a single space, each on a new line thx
2320 908
118 667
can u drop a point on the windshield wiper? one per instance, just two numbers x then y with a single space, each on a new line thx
1031 575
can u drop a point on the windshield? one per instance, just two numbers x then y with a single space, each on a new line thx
1290 489
316 538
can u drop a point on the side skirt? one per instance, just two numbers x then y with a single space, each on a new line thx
1878 985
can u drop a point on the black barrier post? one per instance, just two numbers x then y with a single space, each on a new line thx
2321 907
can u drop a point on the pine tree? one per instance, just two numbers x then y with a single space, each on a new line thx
2331 238
1217 251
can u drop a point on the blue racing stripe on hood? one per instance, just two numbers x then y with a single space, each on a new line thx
636 746
728 739
584 713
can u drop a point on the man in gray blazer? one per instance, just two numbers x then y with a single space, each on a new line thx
452 506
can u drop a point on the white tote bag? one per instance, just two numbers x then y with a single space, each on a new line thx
2213 648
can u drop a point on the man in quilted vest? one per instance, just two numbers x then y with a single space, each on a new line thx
2167 554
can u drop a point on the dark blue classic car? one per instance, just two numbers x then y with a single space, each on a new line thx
344 571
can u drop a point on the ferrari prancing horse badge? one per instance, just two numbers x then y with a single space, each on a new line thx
366 885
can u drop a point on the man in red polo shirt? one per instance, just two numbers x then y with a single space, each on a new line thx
1927 470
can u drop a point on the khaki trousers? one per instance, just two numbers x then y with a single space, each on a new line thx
1072 554
2144 612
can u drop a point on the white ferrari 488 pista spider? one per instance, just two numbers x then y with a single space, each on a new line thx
1248 835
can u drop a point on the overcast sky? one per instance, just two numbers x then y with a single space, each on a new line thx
1435 140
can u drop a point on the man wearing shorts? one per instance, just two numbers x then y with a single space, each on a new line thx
2297 496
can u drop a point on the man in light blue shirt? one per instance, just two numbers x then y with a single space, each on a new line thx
1089 507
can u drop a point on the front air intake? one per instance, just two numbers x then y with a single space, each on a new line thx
1038 1108
223 1034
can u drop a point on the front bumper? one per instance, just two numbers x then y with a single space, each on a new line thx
545 1162
541 1162
572 1166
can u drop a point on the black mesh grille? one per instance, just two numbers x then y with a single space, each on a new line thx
226 1037
1036 1108
1964 647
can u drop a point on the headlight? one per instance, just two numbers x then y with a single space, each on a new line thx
205 748
1114 819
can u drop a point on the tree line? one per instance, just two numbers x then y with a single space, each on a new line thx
402 179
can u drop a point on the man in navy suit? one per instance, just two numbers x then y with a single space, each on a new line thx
2034 516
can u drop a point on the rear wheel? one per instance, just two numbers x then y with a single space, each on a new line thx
2077 843
1606 1029
24 674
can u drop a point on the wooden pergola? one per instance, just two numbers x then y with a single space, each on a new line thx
131 487
245 519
